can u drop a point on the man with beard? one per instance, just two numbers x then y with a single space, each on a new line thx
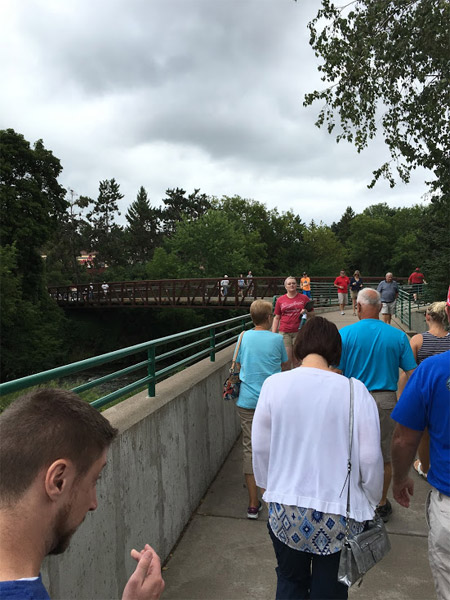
53 447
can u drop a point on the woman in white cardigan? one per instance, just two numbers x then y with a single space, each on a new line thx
300 439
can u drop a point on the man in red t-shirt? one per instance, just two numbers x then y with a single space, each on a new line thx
417 279
289 309
341 283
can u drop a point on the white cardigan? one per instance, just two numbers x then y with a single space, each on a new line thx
300 436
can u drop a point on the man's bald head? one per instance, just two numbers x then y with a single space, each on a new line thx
368 304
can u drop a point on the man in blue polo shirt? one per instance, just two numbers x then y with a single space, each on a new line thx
425 402
373 352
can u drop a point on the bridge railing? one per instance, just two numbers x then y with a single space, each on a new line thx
200 292
202 342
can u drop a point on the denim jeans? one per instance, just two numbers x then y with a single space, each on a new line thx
306 575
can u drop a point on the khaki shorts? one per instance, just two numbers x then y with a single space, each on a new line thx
353 294
386 402
388 308
246 415
289 339
342 298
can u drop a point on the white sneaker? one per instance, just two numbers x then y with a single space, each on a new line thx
342 313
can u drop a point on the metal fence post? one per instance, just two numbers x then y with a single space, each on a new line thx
212 344
151 370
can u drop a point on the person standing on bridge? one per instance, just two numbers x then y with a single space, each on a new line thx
305 284
341 283
53 447
289 309
261 353
373 352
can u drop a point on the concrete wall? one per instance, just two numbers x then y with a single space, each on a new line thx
168 452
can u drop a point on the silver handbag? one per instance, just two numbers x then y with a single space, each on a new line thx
361 552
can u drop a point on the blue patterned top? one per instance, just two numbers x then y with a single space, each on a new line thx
309 530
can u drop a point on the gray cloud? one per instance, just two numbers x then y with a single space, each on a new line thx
190 93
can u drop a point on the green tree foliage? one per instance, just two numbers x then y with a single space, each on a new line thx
284 248
106 237
327 253
142 232
385 66
177 206
434 242
32 203
342 227
217 243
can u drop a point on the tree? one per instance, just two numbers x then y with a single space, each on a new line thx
217 243
434 240
326 251
142 233
386 65
32 204
105 234
177 206
342 228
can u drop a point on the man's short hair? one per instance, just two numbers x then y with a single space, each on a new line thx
319 336
369 297
259 311
43 426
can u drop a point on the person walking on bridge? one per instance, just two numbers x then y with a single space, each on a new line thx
373 352
341 283
389 294
289 309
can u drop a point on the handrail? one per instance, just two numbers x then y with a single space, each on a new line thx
214 341
403 307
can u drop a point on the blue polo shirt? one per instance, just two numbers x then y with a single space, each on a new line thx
425 402
23 589
373 351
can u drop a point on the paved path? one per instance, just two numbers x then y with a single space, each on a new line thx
224 556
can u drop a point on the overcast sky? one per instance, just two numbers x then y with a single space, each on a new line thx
183 93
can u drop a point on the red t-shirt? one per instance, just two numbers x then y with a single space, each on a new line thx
416 277
289 310
344 281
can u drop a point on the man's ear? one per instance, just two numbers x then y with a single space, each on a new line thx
59 478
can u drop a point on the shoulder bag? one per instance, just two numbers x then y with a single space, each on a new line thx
362 551
232 382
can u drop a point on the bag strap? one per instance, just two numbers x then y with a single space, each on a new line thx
349 462
233 362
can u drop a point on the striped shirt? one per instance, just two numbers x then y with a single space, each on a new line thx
432 345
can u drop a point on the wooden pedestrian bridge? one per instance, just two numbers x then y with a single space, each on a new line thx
196 293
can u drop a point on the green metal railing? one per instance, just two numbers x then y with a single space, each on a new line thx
403 307
218 336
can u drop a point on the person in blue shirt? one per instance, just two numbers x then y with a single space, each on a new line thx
53 447
373 352
261 353
425 402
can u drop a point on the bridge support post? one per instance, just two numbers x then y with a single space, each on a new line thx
151 370
212 344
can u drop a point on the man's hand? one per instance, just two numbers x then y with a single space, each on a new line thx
146 583
403 490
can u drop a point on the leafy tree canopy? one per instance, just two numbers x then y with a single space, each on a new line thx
177 206
386 65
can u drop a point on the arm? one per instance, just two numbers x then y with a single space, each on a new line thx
146 583
405 442
402 381
275 323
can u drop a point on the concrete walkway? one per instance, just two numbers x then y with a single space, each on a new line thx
224 556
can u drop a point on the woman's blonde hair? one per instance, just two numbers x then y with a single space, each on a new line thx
259 311
356 273
436 312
